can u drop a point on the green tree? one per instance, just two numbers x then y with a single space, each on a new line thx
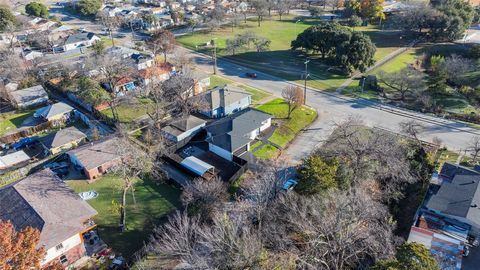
457 16
99 47
6 17
437 82
36 9
316 174
409 256
91 92
474 51
354 21
357 53
89 7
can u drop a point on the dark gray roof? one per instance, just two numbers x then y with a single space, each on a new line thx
180 126
45 202
62 137
79 37
449 170
231 132
460 197
222 96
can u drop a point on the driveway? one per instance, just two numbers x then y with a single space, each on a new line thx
334 108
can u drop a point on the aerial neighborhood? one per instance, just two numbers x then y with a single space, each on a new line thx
240 134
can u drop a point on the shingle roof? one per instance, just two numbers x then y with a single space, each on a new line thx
53 110
223 96
97 153
13 159
460 197
180 126
78 37
231 132
45 202
28 94
62 137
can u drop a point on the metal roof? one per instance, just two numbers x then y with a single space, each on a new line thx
196 165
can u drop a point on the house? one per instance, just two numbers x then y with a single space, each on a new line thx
156 74
225 100
63 139
123 84
201 81
28 97
111 11
43 201
142 61
31 55
78 40
457 196
139 60
232 135
13 159
96 158
53 112
181 129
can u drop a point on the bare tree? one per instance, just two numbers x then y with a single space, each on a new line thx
110 23
260 8
456 68
370 154
205 196
336 230
474 148
282 7
407 80
293 95
243 9
133 163
162 41
412 128
182 59
12 66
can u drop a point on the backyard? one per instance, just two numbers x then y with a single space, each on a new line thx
286 129
10 121
280 60
130 111
153 202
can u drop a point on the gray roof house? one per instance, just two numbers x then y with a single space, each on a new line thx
225 100
232 135
63 139
183 128
43 201
459 197
54 111
27 97
78 40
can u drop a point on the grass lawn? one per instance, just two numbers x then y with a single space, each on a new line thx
128 112
267 151
257 94
153 201
280 60
287 128
10 121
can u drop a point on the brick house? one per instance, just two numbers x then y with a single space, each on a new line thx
43 201
97 158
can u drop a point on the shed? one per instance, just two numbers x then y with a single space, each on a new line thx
13 159
196 165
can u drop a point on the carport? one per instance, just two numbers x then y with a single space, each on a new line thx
196 165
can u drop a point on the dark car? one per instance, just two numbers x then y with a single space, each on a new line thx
251 75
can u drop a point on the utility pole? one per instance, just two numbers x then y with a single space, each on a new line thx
305 85
214 56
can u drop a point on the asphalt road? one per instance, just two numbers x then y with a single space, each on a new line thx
334 108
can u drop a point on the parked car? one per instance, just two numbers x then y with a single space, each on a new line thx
251 75
117 263
289 184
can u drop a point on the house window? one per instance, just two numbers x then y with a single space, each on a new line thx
63 259
59 246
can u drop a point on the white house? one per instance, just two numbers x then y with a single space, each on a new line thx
233 134
78 40
225 100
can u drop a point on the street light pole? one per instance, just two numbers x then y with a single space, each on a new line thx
305 84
